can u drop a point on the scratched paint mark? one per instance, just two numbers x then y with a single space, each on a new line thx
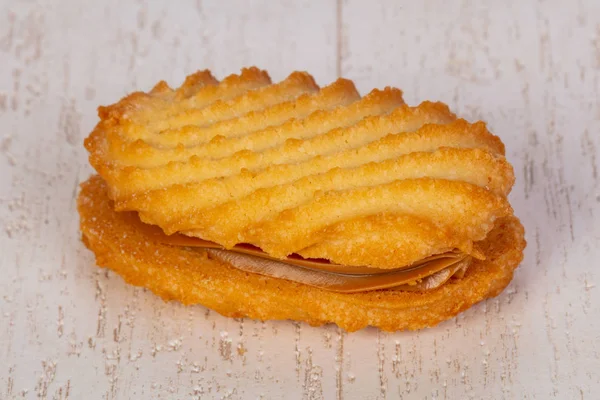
589 149
117 330
7 40
5 144
175 344
101 296
10 382
339 365
18 221
61 322
381 366
297 353
225 347
29 47
15 100
327 342
313 375
596 46
240 347
46 378
339 57
397 360
70 121
570 214
528 171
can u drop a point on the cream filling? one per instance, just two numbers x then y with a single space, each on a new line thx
425 276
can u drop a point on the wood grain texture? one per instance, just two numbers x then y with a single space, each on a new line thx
69 330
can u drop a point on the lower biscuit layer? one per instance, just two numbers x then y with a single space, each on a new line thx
192 277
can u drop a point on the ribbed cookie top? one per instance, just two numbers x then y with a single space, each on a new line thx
293 168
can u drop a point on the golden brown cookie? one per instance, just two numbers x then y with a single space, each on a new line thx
314 191
192 277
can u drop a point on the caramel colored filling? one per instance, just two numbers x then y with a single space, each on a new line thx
426 274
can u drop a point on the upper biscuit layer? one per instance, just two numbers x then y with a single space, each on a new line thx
294 168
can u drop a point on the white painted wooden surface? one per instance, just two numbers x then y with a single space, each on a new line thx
70 330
